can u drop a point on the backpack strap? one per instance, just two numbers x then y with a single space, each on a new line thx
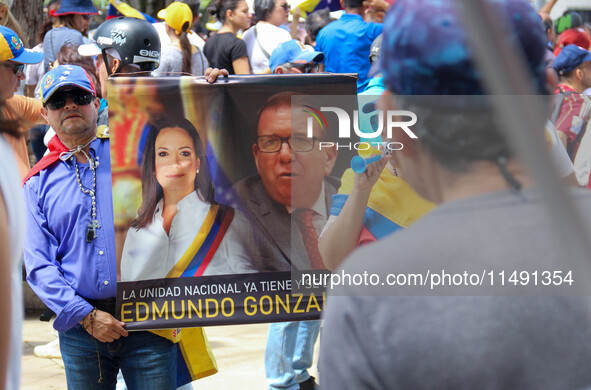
256 37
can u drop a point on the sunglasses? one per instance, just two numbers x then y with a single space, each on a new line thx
16 68
285 6
87 16
59 99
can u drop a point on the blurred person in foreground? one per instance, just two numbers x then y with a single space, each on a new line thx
12 58
489 215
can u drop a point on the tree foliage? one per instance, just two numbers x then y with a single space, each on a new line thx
29 14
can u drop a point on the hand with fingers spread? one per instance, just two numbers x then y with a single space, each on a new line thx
103 326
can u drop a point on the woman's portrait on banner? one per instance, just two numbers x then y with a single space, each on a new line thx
180 229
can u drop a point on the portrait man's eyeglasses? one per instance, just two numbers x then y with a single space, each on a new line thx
298 143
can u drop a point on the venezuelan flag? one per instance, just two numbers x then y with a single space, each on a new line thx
118 8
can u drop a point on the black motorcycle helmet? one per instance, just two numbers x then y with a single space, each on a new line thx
135 40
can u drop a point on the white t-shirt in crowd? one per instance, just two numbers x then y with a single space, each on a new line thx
268 37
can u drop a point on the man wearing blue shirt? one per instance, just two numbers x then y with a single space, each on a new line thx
346 42
70 248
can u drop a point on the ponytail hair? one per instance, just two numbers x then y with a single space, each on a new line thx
220 7
187 50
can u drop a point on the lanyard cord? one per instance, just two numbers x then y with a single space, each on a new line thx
94 224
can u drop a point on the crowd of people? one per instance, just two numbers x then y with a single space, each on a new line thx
460 195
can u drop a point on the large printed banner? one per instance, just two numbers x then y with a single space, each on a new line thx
216 188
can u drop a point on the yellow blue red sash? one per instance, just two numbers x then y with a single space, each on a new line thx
194 356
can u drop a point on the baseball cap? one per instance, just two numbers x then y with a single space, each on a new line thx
293 51
176 15
12 48
428 53
570 57
76 7
63 76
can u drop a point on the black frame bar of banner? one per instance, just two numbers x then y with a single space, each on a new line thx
217 300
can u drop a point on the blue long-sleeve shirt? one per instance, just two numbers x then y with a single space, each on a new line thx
62 268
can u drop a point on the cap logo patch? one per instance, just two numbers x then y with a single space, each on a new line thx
48 81
16 43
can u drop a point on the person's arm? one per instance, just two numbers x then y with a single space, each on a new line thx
295 21
341 237
241 66
44 270
27 109
376 9
563 137
5 291
548 6
239 56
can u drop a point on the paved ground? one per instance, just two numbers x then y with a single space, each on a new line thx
239 351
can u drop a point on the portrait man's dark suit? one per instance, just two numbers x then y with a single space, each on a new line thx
274 223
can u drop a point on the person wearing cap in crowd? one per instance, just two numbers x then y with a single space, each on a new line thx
573 65
14 111
73 18
13 57
179 55
70 248
225 50
346 42
489 214
194 39
293 57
